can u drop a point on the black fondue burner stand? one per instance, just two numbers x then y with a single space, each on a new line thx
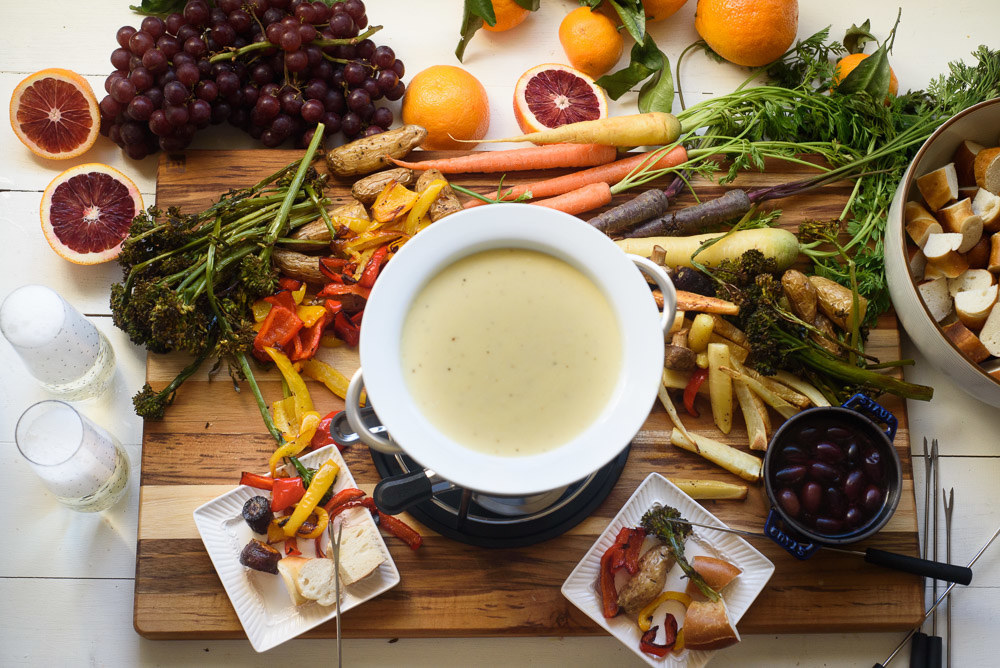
456 513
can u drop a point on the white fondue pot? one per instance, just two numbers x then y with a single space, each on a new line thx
618 275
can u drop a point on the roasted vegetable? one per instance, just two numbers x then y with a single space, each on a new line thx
648 582
367 189
257 513
657 522
260 557
297 265
368 154
447 201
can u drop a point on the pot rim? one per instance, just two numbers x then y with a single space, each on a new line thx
892 496
513 226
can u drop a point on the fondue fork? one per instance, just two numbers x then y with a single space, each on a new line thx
916 629
335 551
893 560
949 506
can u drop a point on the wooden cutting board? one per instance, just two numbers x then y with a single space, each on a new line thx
212 433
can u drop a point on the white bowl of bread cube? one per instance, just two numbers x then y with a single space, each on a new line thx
942 250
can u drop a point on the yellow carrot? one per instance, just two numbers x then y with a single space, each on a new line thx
654 128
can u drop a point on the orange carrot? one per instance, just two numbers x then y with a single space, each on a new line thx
583 199
535 157
609 173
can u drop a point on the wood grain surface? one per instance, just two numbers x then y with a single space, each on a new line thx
211 433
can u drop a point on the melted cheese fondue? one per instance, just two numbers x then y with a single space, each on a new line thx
511 351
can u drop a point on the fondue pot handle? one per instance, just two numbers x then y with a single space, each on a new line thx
662 280
352 406
873 410
797 549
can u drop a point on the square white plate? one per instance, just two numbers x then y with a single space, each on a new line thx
581 585
261 601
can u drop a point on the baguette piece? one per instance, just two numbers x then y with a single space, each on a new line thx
973 279
361 551
987 169
986 205
707 626
964 159
960 219
935 296
990 333
919 223
966 341
973 306
716 573
941 251
289 569
939 187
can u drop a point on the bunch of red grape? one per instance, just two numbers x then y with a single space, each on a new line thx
274 68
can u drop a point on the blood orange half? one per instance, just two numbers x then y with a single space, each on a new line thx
551 95
55 114
87 211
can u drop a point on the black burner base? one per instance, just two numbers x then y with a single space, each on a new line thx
485 528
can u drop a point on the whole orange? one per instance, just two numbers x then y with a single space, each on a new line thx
509 15
450 103
748 32
847 64
657 10
591 41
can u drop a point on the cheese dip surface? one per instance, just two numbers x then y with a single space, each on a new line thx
511 351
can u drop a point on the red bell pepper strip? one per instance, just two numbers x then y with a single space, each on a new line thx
631 550
333 268
286 493
256 480
322 436
366 502
292 547
279 326
319 548
648 645
291 284
342 497
609 594
691 390
282 299
333 307
346 330
356 317
400 530
370 272
336 290
308 339
618 549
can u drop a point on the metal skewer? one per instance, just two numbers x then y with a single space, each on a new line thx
934 584
335 551
934 607
899 562
949 506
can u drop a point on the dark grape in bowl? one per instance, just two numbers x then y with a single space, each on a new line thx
832 474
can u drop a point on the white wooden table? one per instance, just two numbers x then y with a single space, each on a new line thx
66 580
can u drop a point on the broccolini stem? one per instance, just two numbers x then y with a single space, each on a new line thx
227 328
862 376
277 228
322 210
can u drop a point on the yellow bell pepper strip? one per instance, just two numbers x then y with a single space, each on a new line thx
646 614
322 519
283 413
421 206
394 200
300 294
306 431
321 482
335 381
260 310
310 314
679 644
356 225
303 402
